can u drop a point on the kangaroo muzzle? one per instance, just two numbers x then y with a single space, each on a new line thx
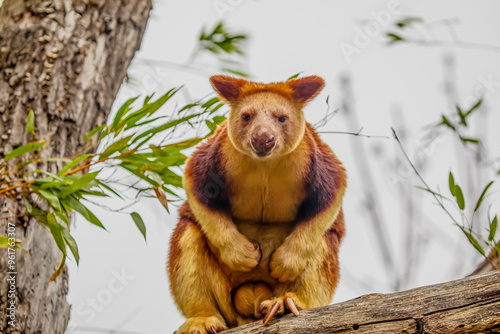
263 142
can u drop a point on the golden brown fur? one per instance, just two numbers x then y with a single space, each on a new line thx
263 220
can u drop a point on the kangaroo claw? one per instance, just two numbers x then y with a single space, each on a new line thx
291 306
271 313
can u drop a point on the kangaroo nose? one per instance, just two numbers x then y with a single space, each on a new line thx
263 142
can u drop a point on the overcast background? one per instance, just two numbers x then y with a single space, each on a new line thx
121 284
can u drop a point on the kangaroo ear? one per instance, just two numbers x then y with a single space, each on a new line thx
228 88
305 89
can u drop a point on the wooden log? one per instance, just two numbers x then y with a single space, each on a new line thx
469 305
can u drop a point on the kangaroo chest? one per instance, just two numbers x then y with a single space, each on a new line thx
265 193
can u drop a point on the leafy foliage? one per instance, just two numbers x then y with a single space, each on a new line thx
127 145
221 40
226 46
458 124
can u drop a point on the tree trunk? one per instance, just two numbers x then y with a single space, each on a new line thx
470 305
65 60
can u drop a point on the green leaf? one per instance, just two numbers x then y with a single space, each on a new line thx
462 116
456 191
94 131
451 182
407 21
446 121
147 99
474 107
139 223
480 200
493 228
210 102
217 107
235 72
469 140
211 125
73 247
115 147
33 161
188 106
473 241
122 111
59 269
105 186
63 217
46 173
163 127
51 198
394 37
4 242
78 184
70 203
73 163
149 109
30 124
137 173
28 206
460 197
30 147
56 230
295 76
218 119
432 192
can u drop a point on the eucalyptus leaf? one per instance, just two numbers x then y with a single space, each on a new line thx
139 223
473 241
73 247
493 228
30 123
480 200
78 184
56 230
73 163
30 147
51 198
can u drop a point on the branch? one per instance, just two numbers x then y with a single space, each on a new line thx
356 134
469 305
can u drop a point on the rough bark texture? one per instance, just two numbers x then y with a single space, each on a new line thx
470 305
65 60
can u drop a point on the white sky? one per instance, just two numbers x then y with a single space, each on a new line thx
390 83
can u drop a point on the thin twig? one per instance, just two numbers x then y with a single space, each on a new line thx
20 185
16 216
438 200
464 45
357 134
421 178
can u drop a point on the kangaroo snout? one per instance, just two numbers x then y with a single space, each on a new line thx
263 141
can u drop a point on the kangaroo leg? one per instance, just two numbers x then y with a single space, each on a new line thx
200 289
315 286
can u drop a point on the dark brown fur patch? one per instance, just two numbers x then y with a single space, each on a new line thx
323 179
206 173
333 238
186 217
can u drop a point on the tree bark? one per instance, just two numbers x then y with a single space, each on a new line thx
470 305
65 60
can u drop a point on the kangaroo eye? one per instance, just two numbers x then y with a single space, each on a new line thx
282 119
246 117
